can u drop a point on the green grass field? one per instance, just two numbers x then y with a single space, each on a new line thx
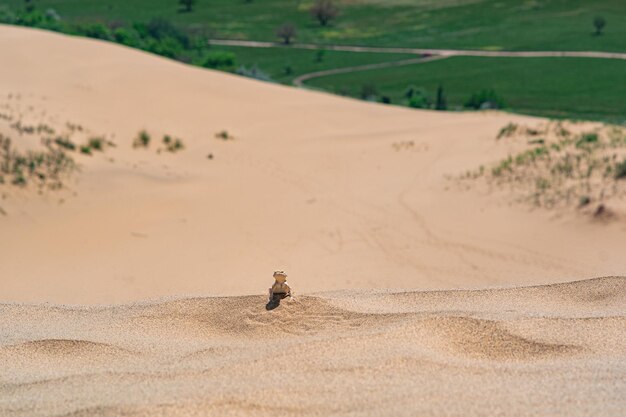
552 87
555 87
491 24
283 65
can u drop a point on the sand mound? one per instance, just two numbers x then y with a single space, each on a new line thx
328 353
488 339
62 348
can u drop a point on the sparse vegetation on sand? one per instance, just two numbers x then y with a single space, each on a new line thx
172 144
142 140
224 135
563 168
45 169
169 142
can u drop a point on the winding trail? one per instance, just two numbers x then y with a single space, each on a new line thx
299 81
426 55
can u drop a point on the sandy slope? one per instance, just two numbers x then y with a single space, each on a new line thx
315 184
555 350
345 195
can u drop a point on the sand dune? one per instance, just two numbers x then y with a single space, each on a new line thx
340 193
485 352
127 291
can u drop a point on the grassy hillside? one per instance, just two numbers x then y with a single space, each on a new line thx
492 24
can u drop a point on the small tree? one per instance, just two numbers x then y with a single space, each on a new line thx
599 23
441 103
286 32
29 6
324 11
187 5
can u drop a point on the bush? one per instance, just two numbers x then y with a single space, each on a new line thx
507 131
172 145
96 31
587 139
286 32
224 135
159 28
97 144
127 37
485 99
620 170
142 140
368 92
65 143
220 60
324 11
253 72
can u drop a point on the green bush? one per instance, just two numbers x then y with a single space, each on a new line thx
485 99
620 170
587 139
127 37
97 144
172 144
220 60
142 140
65 143
96 31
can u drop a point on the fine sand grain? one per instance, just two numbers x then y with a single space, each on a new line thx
557 350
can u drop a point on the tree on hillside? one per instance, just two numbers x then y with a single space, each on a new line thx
187 5
599 23
286 32
441 103
29 5
324 11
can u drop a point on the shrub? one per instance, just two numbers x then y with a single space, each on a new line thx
65 143
171 144
319 55
85 149
507 131
220 60
159 28
485 99
127 37
324 11
224 135
599 23
368 92
441 103
187 5
620 170
584 200
142 140
587 139
96 31
253 72
96 143
286 32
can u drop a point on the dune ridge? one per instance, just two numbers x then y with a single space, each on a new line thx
406 351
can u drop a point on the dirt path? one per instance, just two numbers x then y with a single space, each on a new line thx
299 81
426 55
421 51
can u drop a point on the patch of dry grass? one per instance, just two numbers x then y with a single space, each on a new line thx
560 167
